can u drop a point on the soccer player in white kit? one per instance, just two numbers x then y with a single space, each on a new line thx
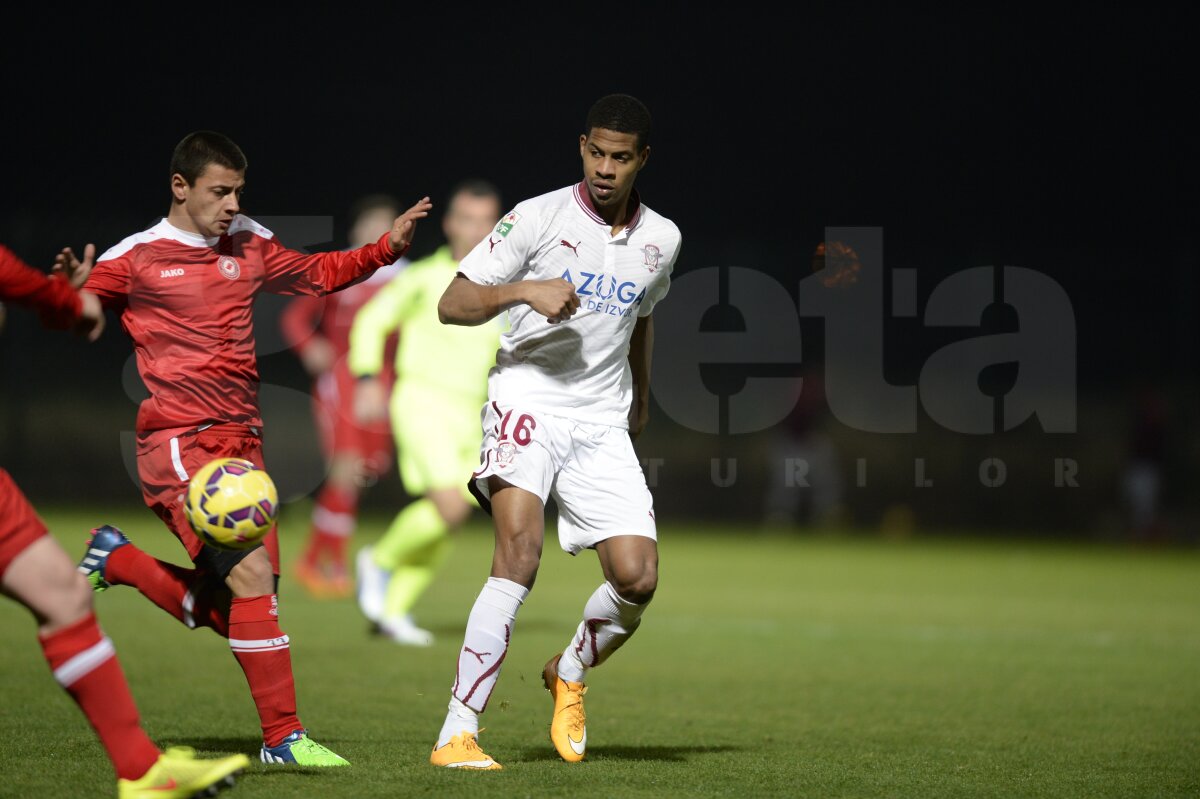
579 271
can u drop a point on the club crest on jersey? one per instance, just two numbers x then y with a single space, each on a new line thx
229 267
505 452
506 224
652 254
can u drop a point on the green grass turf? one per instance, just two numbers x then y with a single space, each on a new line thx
767 666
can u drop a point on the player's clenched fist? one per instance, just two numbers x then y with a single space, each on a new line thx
554 299
406 225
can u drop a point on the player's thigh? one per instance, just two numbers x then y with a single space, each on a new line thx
20 526
523 448
43 578
601 491
165 472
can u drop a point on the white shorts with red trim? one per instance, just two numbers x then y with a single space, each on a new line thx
591 471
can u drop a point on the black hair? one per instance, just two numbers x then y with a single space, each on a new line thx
621 113
203 147
373 202
476 187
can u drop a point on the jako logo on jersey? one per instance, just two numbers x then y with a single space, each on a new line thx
229 267
653 254
170 273
572 247
606 288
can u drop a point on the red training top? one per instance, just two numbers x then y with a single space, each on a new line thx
187 302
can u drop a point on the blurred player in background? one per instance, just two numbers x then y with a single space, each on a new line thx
569 392
35 571
441 381
185 291
356 453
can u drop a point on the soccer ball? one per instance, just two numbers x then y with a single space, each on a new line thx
231 503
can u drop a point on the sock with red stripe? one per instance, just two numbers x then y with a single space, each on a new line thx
262 651
608 622
485 645
187 594
85 664
333 521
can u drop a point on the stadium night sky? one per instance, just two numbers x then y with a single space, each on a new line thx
972 139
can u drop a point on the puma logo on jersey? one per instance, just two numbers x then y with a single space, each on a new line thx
572 247
170 273
492 244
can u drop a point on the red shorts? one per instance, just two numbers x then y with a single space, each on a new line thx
166 470
341 433
19 524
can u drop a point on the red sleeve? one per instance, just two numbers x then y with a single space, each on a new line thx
299 320
52 297
109 281
291 272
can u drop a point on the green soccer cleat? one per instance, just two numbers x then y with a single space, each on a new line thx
179 774
298 748
105 540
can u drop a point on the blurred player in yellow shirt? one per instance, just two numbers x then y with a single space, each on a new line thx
441 383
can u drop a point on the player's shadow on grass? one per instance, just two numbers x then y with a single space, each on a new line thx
217 745
675 754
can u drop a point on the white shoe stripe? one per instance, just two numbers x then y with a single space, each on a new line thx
97 552
471 764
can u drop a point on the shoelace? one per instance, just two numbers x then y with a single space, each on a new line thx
576 719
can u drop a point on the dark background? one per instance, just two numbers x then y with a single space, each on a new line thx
1054 141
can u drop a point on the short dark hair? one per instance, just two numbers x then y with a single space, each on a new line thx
621 113
373 202
476 187
201 148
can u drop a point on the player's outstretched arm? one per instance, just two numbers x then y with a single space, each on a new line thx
466 302
406 225
641 344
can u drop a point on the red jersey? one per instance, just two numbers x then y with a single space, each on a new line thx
332 316
187 302
52 297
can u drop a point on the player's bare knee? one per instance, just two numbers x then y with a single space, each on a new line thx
517 563
252 576
77 599
637 588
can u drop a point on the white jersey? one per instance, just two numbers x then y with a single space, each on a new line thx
577 369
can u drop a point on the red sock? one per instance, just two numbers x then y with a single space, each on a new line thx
261 649
85 664
334 520
184 593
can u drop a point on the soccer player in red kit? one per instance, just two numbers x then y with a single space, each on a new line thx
356 452
35 571
185 290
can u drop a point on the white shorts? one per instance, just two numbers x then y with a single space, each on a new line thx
591 471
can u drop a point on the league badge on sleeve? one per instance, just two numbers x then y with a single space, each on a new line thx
507 222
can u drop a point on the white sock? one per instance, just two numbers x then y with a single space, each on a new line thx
459 719
608 621
489 629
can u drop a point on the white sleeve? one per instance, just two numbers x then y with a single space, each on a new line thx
661 286
504 252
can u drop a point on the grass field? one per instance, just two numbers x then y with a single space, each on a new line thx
767 666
